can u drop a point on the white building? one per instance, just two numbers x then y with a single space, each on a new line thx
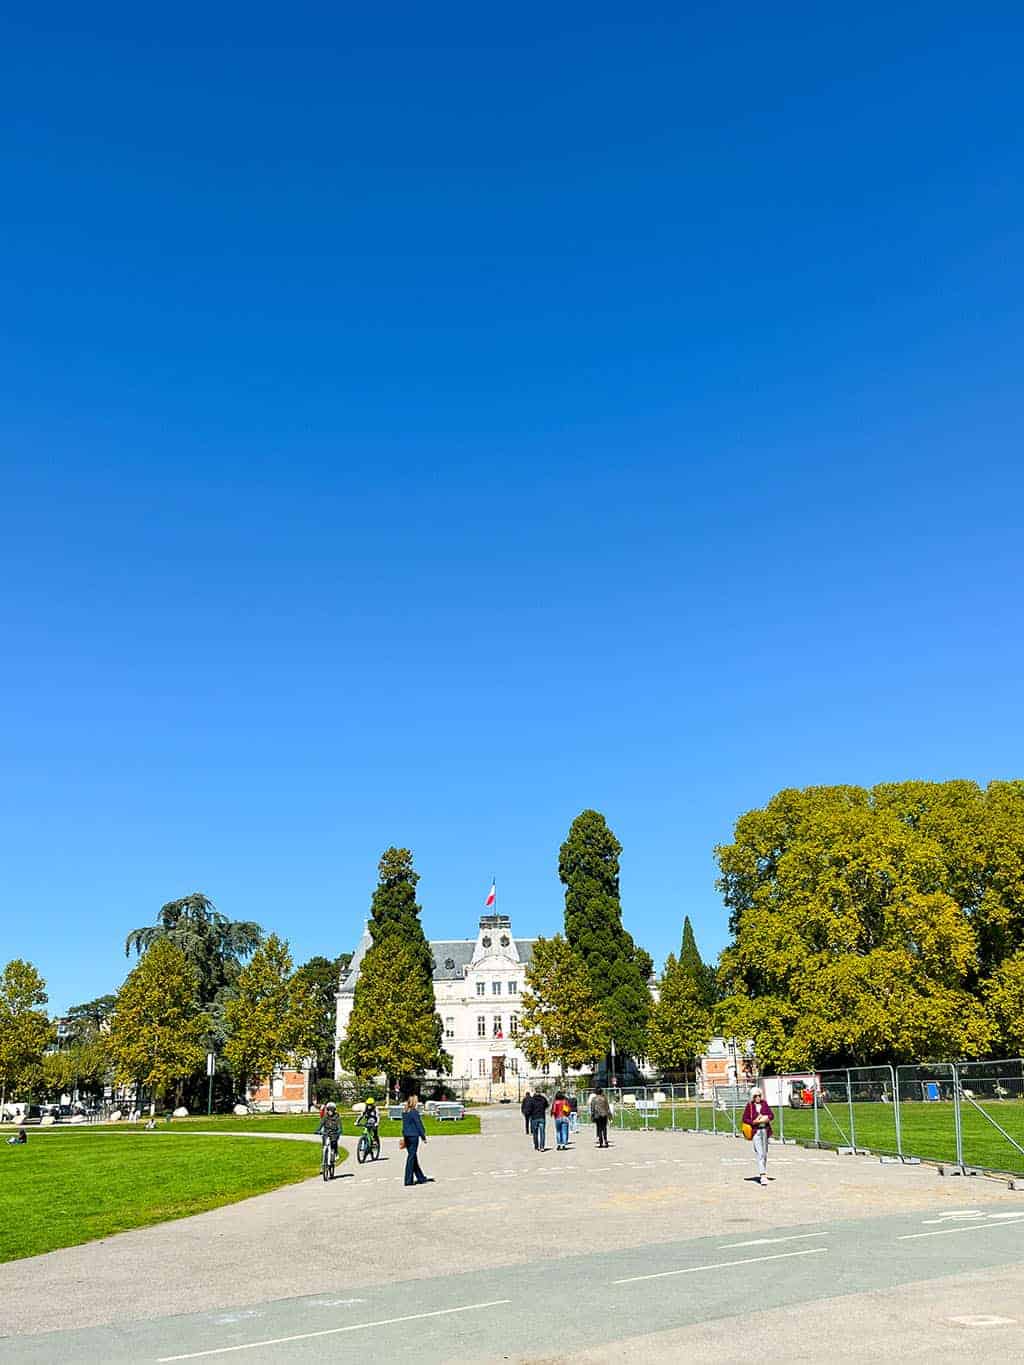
478 987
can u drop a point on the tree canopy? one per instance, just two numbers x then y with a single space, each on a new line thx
318 978
272 1017
397 936
158 1034
25 1028
561 1021
588 867
680 1026
873 925
214 946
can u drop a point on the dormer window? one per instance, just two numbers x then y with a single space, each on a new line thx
449 964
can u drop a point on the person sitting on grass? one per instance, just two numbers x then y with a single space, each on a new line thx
19 1139
330 1127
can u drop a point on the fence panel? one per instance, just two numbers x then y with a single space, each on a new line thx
929 1107
991 1098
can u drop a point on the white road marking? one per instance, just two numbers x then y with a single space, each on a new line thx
765 1241
948 1217
964 1227
722 1265
333 1331
335 1303
983 1320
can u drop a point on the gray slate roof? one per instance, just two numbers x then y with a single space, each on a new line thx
457 951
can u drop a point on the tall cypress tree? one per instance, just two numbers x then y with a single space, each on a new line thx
396 931
693 966
588 866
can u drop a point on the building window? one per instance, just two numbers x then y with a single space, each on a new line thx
513 988
497 1026
449 1027
495 987
481 988
513 1066
513 1026
481 1026
482 1067
546 1069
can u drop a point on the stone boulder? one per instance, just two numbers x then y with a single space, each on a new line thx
240 1110
47 1121
181 1112
115 1116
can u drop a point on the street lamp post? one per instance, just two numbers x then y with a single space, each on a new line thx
615 1079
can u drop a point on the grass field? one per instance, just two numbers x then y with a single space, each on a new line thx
59 1193
927 1129
277 1123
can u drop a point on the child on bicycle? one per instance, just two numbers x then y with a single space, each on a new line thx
369 1118
330 1126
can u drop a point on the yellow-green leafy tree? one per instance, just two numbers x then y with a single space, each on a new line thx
863 921
271 1018
25 1028
158 1035
561 1022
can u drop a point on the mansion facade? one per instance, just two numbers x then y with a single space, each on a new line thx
478 988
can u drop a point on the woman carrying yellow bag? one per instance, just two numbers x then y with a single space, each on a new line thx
757 1128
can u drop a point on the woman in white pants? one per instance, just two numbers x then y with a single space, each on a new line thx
759 1116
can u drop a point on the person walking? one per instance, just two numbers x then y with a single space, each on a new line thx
560 1113
600 1112
538 1120
758 1115
413 1133
524 1109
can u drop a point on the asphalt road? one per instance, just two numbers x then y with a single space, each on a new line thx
661 1245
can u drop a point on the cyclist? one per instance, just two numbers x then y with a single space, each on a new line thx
330 1127
369 1118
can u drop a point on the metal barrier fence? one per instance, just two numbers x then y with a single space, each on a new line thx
964 1115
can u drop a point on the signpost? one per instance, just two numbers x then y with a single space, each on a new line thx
210 1063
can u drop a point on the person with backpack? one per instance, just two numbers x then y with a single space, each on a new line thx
524 1109
600 1112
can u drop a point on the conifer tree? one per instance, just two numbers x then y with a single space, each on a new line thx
396 977
680 1026
701 973
588 866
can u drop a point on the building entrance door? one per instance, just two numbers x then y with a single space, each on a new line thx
498 1070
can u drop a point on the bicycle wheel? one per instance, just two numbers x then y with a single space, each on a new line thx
376 1146
363 1149
327 1162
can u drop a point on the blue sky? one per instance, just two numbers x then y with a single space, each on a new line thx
419 426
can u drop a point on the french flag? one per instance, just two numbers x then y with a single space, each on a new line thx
492 896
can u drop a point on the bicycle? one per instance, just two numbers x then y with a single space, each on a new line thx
327 1159
368 1146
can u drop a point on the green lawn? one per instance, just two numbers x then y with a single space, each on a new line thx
59 1193
274 1123
927 1128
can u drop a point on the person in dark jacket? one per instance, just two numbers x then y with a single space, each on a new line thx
524 1109
538 1117
413 1133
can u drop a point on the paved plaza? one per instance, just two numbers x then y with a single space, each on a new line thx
661 1244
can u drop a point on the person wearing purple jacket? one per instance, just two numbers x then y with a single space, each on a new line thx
759 1116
